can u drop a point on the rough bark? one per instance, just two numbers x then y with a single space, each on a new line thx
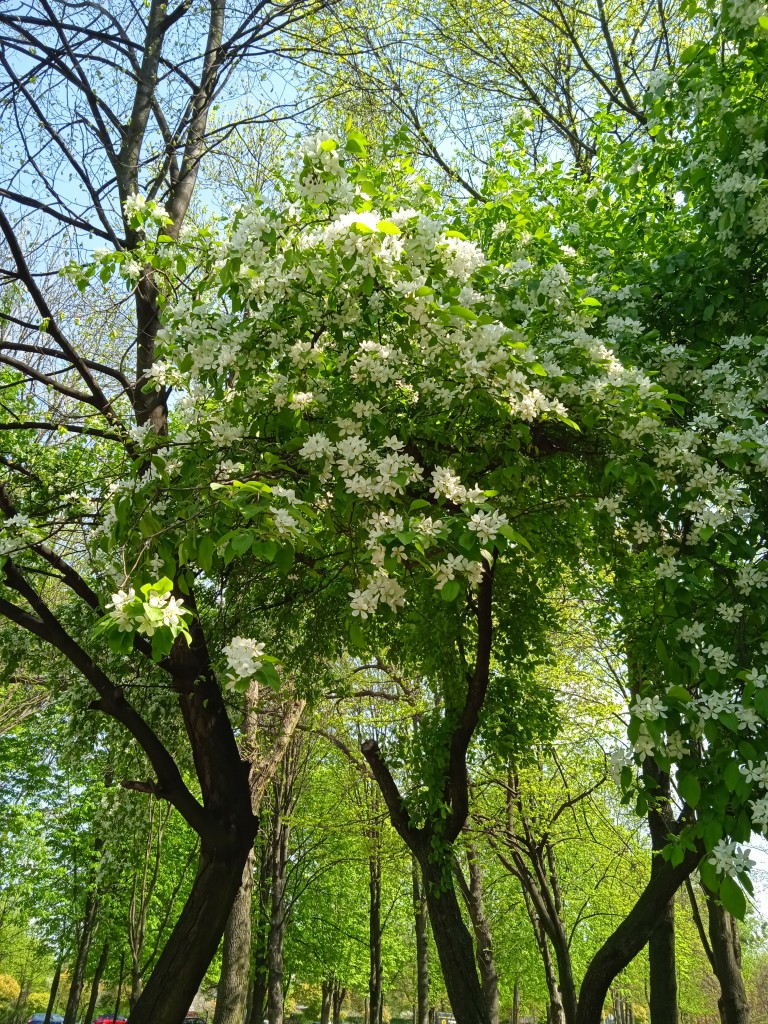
232 991
515 1018
93 998
472 892
83 946
421 920
726 951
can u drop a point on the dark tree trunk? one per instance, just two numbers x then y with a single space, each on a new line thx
232 991
96 982
555 1010
326 1001
473 897
375 980
54 990
84 945
662 974
661 944
195 938
421 919
726 952
454 945
623 945
261 936
339 995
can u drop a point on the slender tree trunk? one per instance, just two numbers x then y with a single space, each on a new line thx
277 922
726 951
421 918
232 992
54 990
326 1000
454 945
195 938
375 980
84 945
473 897
119 987
515 1018
555 1010
96 982
661 944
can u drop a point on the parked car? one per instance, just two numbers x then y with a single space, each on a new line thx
109 1019
39 1018
193 1019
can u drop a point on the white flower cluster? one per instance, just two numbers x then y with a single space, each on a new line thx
242 655
731 858
136 615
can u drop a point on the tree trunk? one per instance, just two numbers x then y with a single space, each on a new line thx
327 1000
54 990
623 945
421 919
375 980
454 945
661 944
232 991
339 995
78 974
515 1018
473 897
726 951
194 940
662 973
555 1010
277 921
96 982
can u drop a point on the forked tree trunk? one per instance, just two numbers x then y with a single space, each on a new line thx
194 940
421 920
726 953
78 974
96 982
339 995
232 991
326 1001
375 979
454 945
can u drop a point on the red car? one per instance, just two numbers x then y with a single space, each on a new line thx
107 1019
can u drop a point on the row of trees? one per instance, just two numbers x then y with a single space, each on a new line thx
393 432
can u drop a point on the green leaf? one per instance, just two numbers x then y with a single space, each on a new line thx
732 897
284 558
361 228
451 590
462 313
356 634
269 675
241 542
590 300
205 551
689 788
388 227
